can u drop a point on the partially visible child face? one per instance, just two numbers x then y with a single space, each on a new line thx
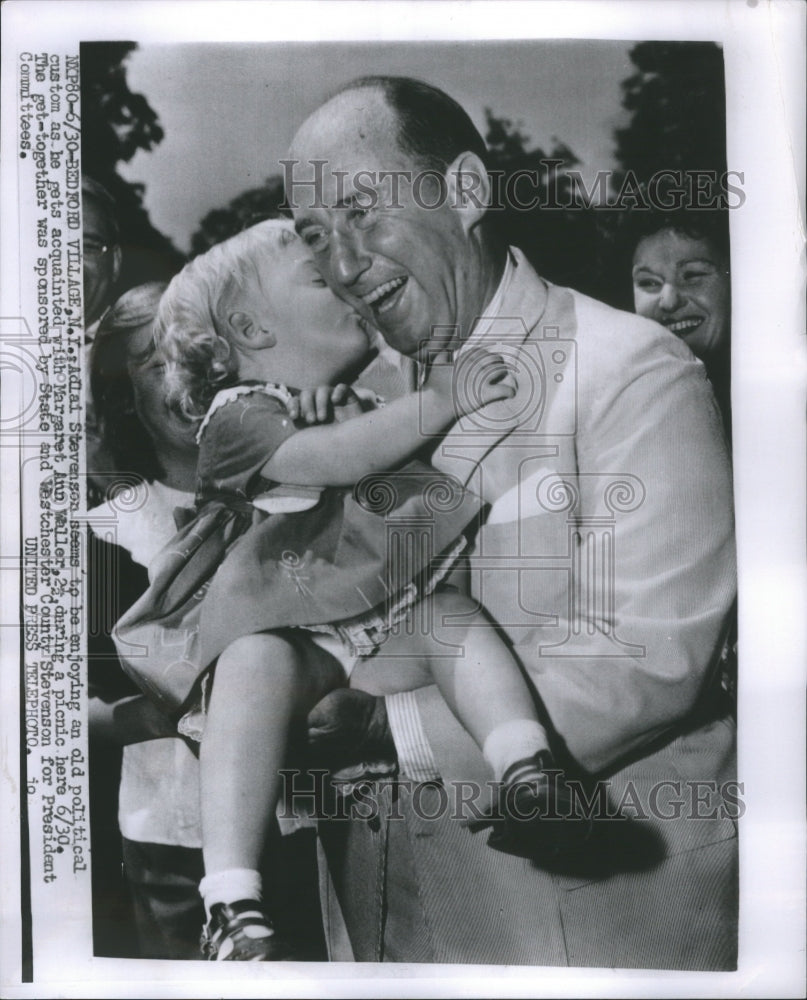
147 372
289 298
683 283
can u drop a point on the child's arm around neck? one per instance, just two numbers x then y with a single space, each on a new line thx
340 454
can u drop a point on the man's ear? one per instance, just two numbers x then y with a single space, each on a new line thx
468 189
247 333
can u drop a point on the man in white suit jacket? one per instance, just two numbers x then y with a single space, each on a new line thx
607 559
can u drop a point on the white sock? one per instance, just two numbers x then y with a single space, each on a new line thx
229 886
511 742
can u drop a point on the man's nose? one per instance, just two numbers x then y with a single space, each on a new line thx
348 261
670 298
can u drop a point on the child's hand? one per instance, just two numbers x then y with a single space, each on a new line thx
324 404
346 404
476 378
312 405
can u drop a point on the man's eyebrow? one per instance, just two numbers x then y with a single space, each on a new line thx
698 260
358 199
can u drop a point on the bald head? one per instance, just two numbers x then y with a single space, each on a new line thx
427 124
358 125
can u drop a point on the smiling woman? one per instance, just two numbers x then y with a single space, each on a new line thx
681 279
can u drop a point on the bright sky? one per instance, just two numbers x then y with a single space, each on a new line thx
230 111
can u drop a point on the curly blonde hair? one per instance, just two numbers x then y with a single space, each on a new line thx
190 332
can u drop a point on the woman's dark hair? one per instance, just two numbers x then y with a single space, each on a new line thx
124 436
621 231
432 127
700 224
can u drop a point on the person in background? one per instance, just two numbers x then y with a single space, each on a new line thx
147 471
681 279
101 264
102 252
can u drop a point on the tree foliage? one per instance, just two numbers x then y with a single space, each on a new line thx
115 124
247 208
540 213
677 104
677 101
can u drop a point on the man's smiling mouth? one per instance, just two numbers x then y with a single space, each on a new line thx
382 298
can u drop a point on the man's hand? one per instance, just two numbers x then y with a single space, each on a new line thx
348 727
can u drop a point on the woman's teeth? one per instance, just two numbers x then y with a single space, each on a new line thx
685 325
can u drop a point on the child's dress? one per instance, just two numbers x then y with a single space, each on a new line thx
258 556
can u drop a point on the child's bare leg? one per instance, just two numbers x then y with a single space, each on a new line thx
263 684
483 685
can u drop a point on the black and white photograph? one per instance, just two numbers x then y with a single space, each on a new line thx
403 430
